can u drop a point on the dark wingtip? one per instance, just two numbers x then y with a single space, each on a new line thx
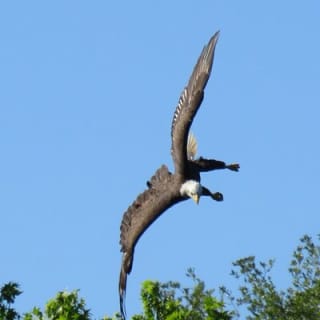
122 308
126 266
207 54
216 35
214 39
122 292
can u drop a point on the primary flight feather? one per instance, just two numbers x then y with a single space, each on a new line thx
165 188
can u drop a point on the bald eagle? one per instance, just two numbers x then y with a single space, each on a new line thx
165 188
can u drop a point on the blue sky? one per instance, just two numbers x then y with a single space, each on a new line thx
87 96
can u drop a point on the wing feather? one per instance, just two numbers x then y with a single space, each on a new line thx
188 105
163 192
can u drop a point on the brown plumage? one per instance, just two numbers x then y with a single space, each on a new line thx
166 189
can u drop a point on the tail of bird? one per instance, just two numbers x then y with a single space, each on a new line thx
126 266
192 146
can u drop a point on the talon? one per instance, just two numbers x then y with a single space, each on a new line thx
217 196
233 167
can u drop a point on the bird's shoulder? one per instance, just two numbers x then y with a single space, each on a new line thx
161 181
160 178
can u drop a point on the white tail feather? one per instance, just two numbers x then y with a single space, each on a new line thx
192 146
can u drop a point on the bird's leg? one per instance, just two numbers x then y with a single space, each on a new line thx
203 164
214 195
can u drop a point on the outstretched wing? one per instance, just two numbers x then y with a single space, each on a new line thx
162 193
188 105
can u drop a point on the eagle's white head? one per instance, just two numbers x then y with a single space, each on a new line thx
191 189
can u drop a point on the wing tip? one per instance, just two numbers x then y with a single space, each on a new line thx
126 267
216 34
210 48
122 292
215 37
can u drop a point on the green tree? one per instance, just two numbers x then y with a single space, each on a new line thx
65 306
263 300
258 294
161 301
8 294
167 300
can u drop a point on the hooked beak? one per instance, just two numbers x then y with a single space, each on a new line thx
195 198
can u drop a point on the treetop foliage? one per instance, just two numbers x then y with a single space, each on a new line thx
258 294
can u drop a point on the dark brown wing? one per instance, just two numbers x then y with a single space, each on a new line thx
188 105
163 192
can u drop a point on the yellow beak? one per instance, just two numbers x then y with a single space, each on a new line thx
195 198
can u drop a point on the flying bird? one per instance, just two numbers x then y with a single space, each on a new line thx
165 189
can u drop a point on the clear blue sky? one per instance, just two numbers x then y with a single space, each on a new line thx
87 96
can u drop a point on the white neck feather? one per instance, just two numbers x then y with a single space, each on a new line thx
191 187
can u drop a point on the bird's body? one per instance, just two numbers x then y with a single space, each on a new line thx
165 188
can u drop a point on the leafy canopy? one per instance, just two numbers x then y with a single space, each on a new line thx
258 295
